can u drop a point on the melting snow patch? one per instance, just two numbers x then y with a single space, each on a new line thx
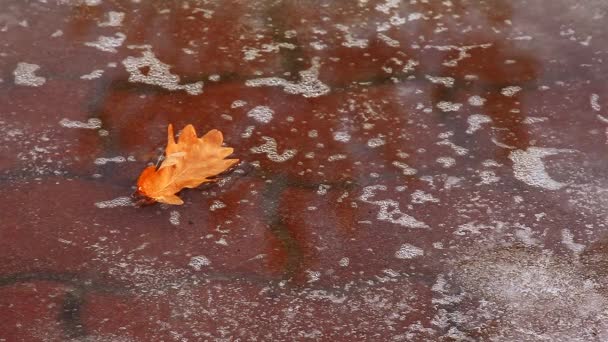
93 75
407 251
375 142
174 217
594 100
341 137
108 44
198 262
389 209
114 19
309 85
476 100
446 106
270 149
446 162
261 114
568 241
158 74
25 75
475 121
103 161
510 91
93 123
446 81
528 167
350 40
117 202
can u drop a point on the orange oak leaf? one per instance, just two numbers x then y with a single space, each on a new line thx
188 163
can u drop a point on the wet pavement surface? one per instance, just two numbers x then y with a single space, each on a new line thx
410 170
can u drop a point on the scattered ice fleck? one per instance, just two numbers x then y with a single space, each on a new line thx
108 44
475 121
270 149
406 169
158 74
198 262
407 251
510 91
261 114
57 33
25 75
528 167
309 85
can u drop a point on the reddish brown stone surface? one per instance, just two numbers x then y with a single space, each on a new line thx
410 170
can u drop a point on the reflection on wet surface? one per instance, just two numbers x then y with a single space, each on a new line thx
411 170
